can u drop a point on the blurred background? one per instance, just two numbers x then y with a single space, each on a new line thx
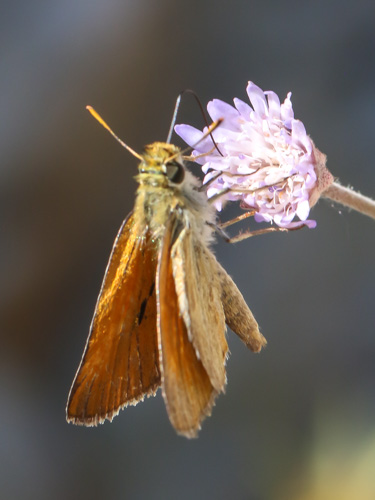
298 420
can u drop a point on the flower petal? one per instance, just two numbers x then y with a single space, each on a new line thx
189 134
193 137
257 99
303 210
243 108
219 109
273 105
286 108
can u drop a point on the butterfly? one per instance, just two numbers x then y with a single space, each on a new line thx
162 311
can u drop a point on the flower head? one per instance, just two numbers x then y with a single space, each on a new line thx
267 159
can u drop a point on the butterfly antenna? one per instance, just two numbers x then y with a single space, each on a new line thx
174 118
104 124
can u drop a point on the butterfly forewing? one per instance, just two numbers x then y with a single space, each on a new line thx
120 364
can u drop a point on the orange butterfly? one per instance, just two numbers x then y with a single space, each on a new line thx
161 314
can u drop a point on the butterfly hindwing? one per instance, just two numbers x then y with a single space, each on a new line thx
186 386
238 316
199 298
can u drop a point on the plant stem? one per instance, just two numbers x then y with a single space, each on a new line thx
350 198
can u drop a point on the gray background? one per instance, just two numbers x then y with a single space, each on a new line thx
298 420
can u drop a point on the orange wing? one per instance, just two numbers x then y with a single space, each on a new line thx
120 364
187 390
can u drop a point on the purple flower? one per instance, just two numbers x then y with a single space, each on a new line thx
268 161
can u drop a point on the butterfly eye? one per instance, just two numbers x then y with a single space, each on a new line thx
175 172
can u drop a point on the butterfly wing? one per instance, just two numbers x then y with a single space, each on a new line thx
187 390
199 298
120 364
238 316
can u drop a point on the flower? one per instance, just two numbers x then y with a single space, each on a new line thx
267 159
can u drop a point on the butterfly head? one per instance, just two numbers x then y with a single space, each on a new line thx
163 163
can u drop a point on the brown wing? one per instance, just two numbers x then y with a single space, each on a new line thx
187 390
120 364
238 316
199 298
